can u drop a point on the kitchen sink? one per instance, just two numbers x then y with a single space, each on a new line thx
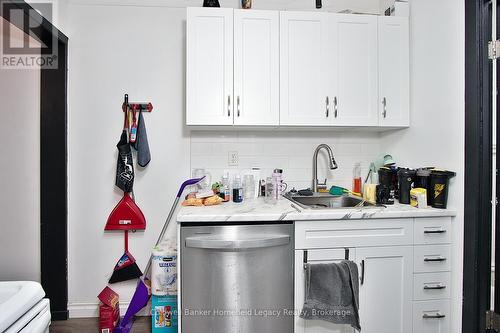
327 201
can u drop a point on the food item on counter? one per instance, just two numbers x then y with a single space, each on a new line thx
190 195
213 200
370 193
193 202
204 193
208 201
418 197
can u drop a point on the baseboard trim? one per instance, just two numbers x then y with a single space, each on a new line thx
91 310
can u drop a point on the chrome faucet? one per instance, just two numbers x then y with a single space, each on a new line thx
333 165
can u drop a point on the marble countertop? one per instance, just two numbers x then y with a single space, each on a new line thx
283 210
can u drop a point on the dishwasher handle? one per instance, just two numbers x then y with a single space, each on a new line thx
236 244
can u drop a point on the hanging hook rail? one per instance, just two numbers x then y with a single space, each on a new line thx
136 106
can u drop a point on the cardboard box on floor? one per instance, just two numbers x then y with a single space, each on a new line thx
164 314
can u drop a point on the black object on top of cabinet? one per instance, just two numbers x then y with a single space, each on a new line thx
406 178
211 3
422 181
386 191
438 186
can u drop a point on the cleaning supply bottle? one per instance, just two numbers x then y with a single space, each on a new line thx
237 189
356 182
226 191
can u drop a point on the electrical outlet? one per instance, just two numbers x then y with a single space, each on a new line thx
232 158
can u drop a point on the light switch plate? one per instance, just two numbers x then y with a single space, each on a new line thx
232 158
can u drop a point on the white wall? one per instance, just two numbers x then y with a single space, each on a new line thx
20 171
436 135
115 50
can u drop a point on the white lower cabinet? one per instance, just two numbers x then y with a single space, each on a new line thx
431 316
404 285
385 289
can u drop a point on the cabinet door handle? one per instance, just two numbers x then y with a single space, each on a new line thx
327 102
434 259
384 104
238 105
229 105
434 316
362 272
335 109
434 287
434 231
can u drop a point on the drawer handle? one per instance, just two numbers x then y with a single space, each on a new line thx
435 287
434 259
434 316
434 231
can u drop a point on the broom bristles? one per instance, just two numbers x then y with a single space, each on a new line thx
126 273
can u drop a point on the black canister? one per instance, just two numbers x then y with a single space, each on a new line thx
406 178
422 180
386 187
438 186
385 176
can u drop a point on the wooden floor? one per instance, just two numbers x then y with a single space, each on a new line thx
91 325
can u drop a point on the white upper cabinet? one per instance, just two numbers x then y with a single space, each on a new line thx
209 86
256 67
394 71
355 51
304 69
270 68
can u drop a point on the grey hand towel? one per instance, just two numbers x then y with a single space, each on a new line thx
332 293
141 144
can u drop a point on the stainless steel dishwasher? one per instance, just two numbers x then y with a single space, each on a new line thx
237 278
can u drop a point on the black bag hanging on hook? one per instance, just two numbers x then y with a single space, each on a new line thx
211 3
124 164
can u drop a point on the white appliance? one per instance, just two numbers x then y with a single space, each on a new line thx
23 307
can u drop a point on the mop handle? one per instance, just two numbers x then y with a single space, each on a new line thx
171 214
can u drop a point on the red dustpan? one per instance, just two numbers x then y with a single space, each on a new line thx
126 216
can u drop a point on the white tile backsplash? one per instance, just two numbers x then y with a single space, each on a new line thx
291 151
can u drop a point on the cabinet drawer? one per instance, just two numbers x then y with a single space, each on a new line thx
432 258
430 286
352 233
432 230
431 317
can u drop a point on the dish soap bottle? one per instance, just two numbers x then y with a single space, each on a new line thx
356 181
237 189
